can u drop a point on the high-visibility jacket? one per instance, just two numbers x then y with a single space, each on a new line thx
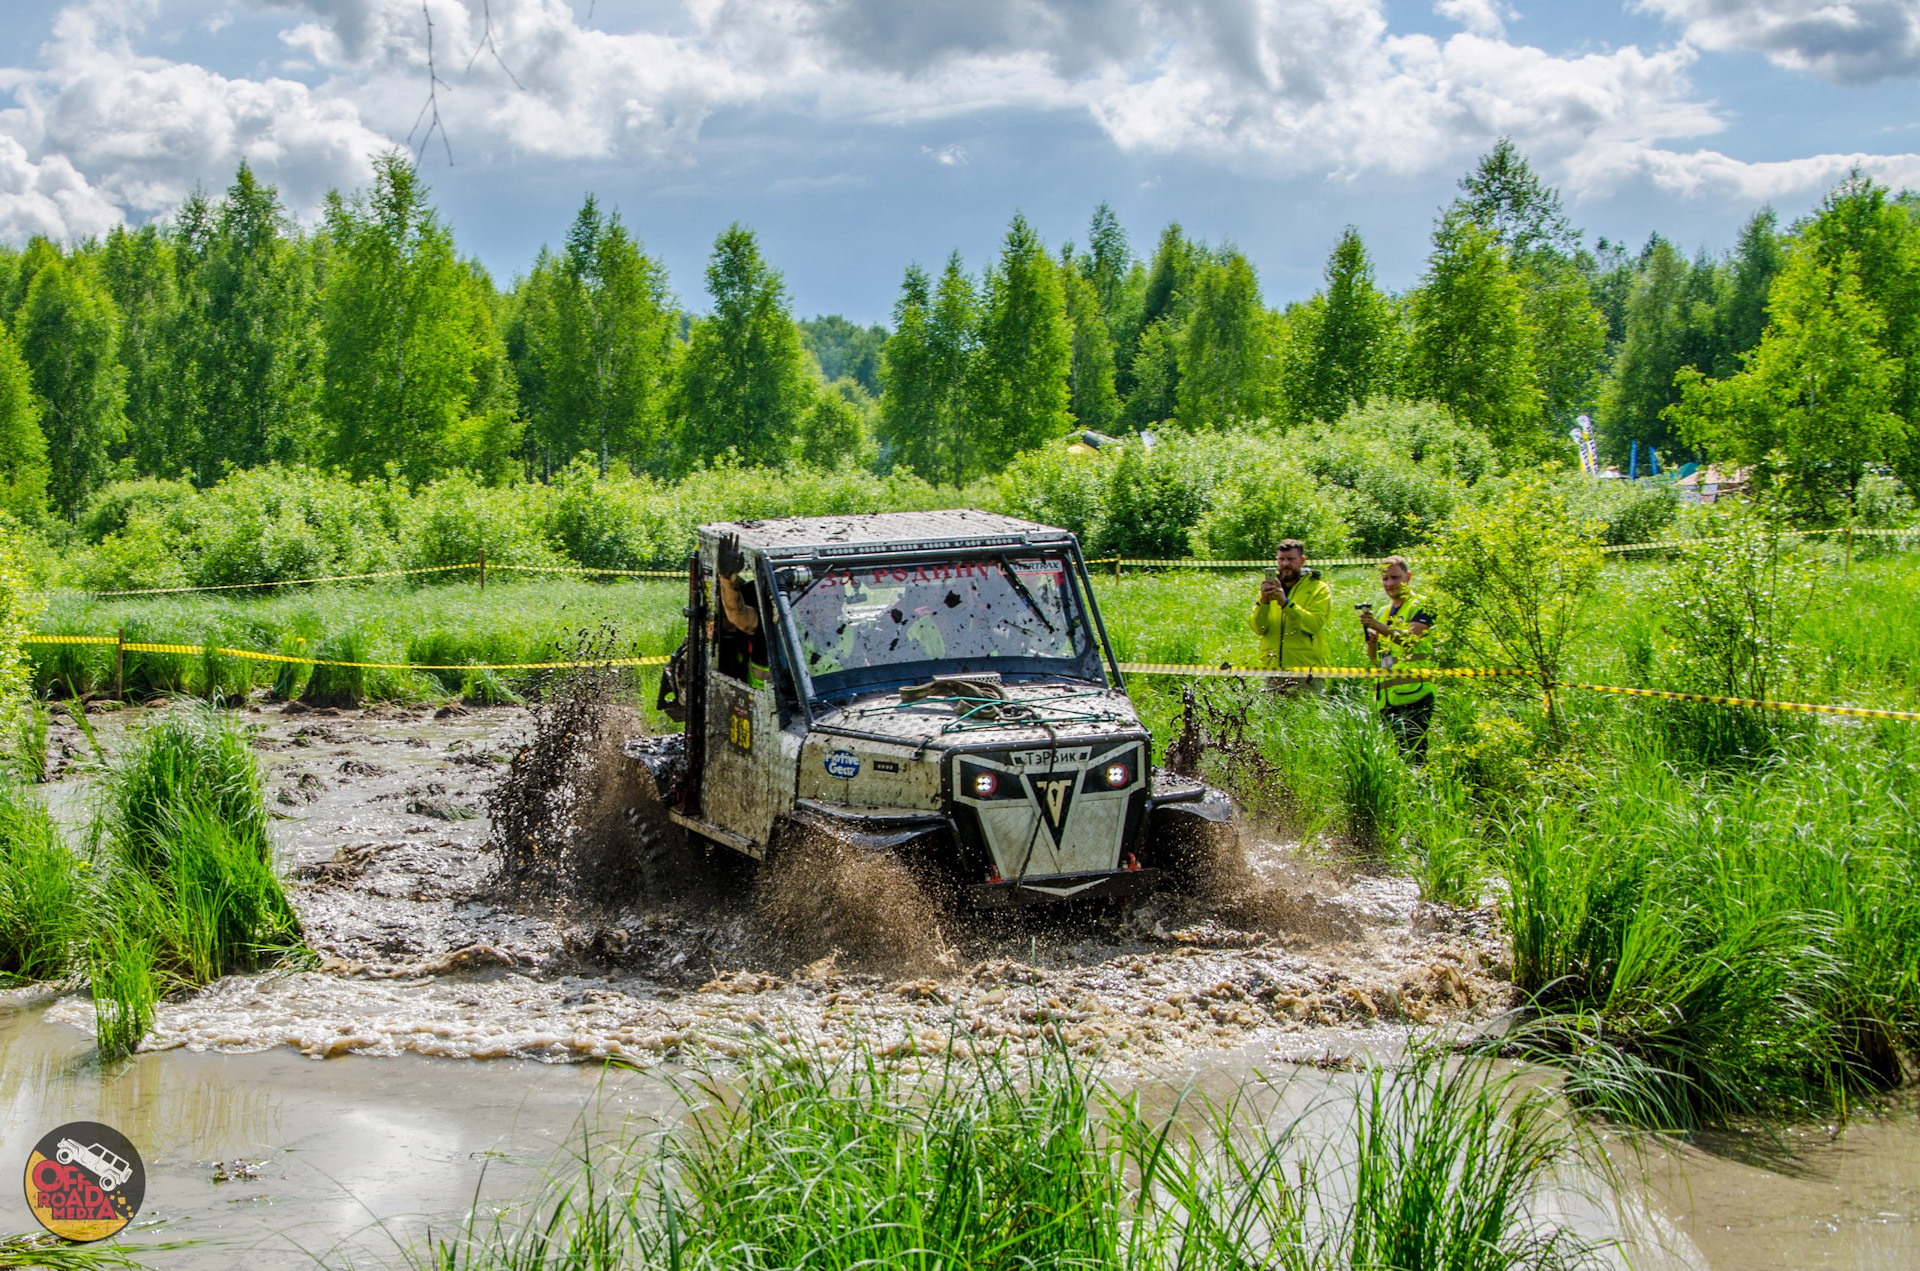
1293 635
1405 649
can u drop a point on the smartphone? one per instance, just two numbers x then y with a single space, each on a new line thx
1273 575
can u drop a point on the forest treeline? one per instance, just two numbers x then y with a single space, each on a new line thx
231 338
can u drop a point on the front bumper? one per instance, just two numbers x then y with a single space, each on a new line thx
1012 892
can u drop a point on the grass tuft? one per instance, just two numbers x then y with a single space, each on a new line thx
41 892
999 1160
1708 947
186 885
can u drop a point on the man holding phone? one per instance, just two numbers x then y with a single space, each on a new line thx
1291 614
1406 705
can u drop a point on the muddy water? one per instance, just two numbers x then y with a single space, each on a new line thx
424 969
340 1161
351 1159
384 839
1817 1198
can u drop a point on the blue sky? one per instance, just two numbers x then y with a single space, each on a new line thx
857 135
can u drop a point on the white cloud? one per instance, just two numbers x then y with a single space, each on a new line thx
1279 87
1482 17
1849 41
137 133
1347 97
1708 173
948 156
49 197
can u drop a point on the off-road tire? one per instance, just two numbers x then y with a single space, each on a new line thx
665 863
1200 857
817 895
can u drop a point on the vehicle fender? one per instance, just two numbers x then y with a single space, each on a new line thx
871 829
1212 805
664 757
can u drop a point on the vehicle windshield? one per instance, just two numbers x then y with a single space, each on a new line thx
898 623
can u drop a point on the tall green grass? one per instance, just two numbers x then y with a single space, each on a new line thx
28 757
48 1252
41 891
186 878
177 890
1001 1161
1703 946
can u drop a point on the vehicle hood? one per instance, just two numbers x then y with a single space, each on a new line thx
1038 712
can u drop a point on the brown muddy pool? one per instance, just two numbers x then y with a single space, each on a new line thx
450 1045
273 1160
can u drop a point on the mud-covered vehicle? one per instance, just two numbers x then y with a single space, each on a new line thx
935 685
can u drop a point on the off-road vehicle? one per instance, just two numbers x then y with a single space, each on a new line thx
937 685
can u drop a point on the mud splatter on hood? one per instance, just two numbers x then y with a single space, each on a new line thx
1033 714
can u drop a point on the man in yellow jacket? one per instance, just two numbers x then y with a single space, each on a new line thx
1402 640
1291 615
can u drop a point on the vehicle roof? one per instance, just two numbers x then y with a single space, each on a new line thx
896 531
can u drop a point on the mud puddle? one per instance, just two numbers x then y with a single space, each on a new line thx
270 1161
384 839
1817 1197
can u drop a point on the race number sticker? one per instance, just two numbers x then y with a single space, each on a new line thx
740 729
85 1181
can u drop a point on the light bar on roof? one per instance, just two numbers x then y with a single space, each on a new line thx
896 546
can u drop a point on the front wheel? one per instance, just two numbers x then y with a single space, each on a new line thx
1198 847
820 895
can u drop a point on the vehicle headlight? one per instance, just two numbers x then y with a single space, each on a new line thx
984 784
1118 775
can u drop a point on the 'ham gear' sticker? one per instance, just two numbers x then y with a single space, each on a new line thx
85 1181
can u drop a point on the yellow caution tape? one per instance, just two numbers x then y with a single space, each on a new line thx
1194 563
143 646
1320 672
1860 712
1129 668
1409 673
1415 554
580 569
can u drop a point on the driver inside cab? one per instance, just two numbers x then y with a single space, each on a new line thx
740 643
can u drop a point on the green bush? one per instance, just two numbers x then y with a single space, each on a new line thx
611 523
451 521
1491 757
1882 502
1055 487
118 504
1514 570
259 525
1625 511
1139 502
1729 608
1396 470
1268 499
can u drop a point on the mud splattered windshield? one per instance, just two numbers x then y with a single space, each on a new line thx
870 624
